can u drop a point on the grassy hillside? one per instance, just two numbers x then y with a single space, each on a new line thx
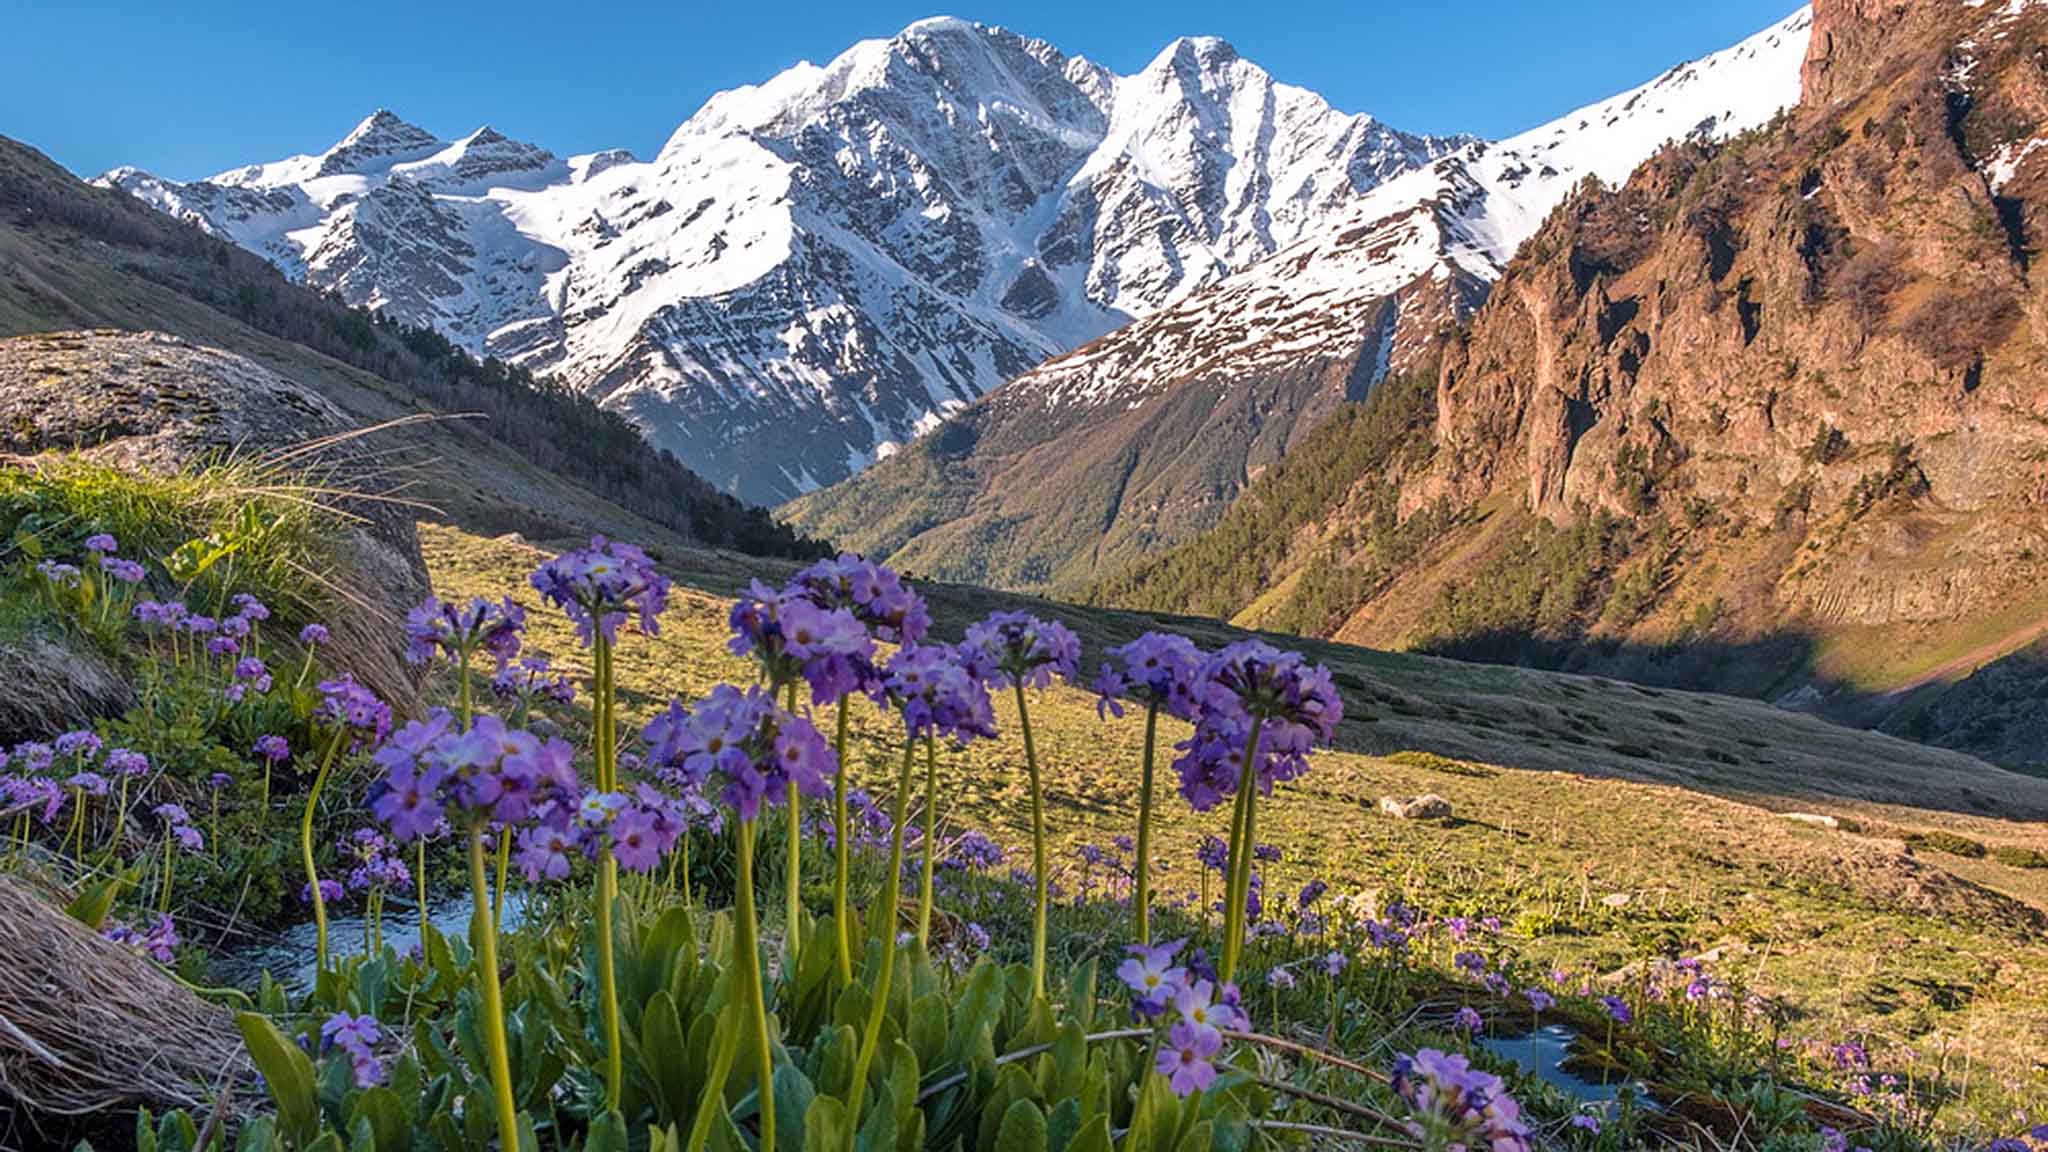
527 457
1601 821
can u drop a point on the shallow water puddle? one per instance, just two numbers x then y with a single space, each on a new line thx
290 955
1545 1054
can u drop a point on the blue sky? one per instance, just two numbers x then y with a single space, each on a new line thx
189 89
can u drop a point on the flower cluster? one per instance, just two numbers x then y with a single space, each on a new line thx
159 942
375 865
1157 669
355 1037
600 586
1457 1105
351 708
793 636
1017 647
1202 1012
491 772
80 756
533 678
455 630
874 593
178 824
975 852
1251 684
745 740
937 691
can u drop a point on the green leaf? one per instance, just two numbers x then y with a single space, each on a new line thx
289 1074
1023 1129
384 1111
711 1102
1197 1139
91 905
664 1053
607 1134
1093 1136
1081 995
824 1126
792 1095
672 936
928 1029
1062 1124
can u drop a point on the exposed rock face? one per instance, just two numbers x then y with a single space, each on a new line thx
1829 329
147 400
1139 440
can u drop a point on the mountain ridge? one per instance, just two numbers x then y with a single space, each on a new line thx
815 268
1246 366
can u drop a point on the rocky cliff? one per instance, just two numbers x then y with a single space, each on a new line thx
1773 415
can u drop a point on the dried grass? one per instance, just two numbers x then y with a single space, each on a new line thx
87 1025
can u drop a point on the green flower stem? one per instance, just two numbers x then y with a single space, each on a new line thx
747 943
931 840
163 903
77 828
1038 868
883 922
841 914
1241 882
419 872
306 842
504 863
121 812
793 880
1141 868
607 749
490 992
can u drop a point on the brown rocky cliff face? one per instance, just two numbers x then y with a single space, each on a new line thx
1826 340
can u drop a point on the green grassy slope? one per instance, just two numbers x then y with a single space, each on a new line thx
1592 855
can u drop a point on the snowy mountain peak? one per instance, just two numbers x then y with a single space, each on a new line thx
381 135
819 266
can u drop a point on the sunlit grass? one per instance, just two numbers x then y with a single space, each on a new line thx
1591 874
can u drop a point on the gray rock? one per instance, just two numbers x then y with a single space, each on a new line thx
1428 806
152 401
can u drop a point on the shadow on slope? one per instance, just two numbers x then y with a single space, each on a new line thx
1544 719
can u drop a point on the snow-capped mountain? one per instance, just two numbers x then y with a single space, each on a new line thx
815 268
1149 432
1440 229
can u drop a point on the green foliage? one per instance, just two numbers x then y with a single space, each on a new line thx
1256 542
1540 585
1943 841
2019 856
220 529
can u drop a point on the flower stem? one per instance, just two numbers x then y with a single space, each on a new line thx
841 913
793 880
420 874
490 992
306 843
931 840
1038 869
1141 868
747 943
498 894
884 921
607 750
1241 883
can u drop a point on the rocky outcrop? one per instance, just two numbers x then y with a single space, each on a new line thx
152 401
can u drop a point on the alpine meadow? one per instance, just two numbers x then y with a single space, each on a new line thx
977 600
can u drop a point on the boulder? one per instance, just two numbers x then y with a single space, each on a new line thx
1428 806
1813 818
147 400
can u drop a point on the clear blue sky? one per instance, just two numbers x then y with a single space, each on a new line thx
192 88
